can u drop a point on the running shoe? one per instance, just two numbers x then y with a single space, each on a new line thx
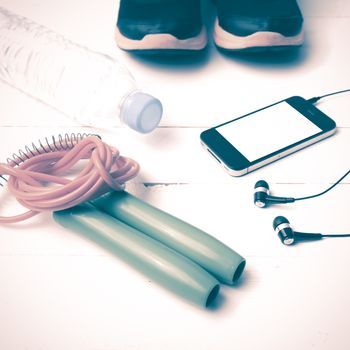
251 24
160 25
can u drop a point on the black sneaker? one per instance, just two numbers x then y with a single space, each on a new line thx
247 24
157 25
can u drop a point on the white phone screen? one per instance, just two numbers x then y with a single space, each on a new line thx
267 131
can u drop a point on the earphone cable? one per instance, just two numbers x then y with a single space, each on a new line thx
327 190
337 235
314 100
317 98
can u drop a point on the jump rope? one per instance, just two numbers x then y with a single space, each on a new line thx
181 257
34 167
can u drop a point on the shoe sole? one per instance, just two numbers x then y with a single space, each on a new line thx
258 40
161 42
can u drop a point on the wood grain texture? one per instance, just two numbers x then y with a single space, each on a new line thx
61 291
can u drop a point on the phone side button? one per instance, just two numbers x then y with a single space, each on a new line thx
214 155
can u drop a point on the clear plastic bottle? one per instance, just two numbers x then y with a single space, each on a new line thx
92 88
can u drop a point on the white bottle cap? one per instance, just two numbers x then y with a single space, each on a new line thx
141 112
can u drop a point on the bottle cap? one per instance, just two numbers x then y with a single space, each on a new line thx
141 112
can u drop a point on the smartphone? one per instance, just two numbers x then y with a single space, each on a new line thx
266 135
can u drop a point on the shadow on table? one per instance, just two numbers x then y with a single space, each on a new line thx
243 283
218 303
243 280
176 61
271 58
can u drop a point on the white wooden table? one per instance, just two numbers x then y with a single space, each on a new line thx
59 291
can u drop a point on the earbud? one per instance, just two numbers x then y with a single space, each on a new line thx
261 191
262 195
286 234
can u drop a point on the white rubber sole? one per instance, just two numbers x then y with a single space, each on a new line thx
228 41
161 42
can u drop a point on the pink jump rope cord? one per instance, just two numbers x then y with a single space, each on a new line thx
105 170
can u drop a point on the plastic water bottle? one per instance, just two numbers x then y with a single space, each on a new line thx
92 88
